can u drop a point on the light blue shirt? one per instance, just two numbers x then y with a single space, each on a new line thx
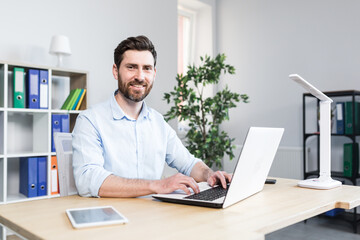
106 141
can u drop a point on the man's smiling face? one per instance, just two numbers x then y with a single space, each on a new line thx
136 75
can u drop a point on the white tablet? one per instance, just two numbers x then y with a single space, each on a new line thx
95 216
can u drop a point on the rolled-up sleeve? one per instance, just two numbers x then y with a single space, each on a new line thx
177 155
88 159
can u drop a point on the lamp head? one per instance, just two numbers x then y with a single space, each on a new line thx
310 88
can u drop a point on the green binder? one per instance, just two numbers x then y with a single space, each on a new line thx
19 88
349 158
349 125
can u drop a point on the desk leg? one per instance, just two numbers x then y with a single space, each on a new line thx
355 220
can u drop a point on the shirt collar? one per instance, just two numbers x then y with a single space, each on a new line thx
119 114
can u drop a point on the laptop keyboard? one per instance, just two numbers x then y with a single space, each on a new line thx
209 194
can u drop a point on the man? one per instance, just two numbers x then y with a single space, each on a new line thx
120 146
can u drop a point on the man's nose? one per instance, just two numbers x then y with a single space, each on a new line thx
140 75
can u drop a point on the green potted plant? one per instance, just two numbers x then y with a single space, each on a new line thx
204 138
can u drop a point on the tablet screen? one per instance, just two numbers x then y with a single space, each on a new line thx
96 216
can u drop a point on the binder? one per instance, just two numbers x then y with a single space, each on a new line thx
349 157
55 127
54 176
81 100
340 114
19 88
42 176
44 89
349 125
28 176
65 123
334 212
77 99
32 89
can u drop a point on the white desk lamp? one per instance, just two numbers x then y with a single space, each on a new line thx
324 181
60 46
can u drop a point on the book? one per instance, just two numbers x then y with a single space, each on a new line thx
81 99
77 100
66 103
73 99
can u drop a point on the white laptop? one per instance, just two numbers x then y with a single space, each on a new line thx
249 176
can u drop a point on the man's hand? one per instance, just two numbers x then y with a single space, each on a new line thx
175 182
202 173
219 177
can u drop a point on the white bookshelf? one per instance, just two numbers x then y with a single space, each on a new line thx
27 132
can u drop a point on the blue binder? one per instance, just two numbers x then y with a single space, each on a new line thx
340 118
32 90
42 176
55 127
65 123
44 89
28 176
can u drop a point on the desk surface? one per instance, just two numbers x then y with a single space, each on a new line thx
275 207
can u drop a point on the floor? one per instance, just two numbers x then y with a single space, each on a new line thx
317 228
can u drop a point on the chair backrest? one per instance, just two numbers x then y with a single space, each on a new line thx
63 146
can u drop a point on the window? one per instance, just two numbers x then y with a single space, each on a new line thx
185 39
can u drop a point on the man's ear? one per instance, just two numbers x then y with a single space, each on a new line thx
115 71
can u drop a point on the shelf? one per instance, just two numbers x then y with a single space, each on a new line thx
310 128
27 132
66 111
307 135
26 110
345 93
27 154
333 174
12 198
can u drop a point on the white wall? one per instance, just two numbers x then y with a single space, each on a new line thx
268 40
94 28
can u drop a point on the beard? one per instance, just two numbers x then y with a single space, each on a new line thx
132 94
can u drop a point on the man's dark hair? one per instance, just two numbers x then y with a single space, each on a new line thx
139 43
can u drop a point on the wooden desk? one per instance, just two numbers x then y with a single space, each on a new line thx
277 206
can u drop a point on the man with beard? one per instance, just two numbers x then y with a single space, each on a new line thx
120 146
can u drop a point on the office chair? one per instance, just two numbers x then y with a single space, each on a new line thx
63 146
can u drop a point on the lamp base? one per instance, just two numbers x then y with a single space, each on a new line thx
318 183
